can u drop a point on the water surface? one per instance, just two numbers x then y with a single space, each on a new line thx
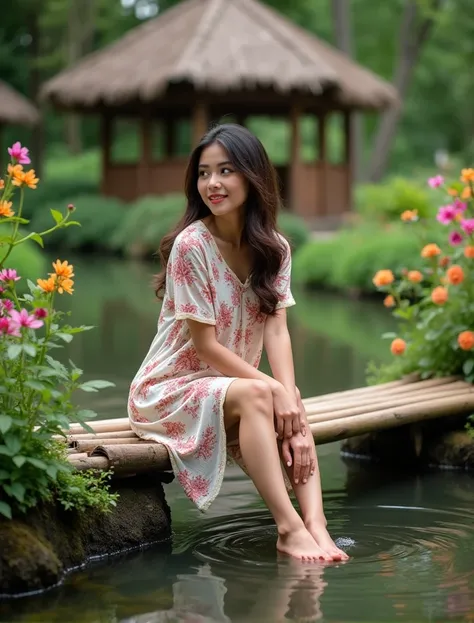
411 538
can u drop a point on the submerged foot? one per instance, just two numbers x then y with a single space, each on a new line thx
323 539
301 545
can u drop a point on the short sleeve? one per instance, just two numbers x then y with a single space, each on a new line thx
283 280
188 281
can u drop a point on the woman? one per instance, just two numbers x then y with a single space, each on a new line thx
226 284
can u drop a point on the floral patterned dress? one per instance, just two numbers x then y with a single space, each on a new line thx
177 399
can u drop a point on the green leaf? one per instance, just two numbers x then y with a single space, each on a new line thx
389 336
4 475
29 349
468 367
37 463
93 386
52 471
86 414
5 423
37 238
69 223
36 385
66 337
14 350
19 460
13 443
16 490
5 510
425 362
58 217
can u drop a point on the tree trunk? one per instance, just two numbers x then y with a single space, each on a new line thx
344 41
414 31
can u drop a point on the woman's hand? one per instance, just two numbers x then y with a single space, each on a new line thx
299 451
287 412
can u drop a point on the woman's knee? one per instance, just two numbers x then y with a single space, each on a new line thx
251 396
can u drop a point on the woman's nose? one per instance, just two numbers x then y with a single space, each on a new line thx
214 182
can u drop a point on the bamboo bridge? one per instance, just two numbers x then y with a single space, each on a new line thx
332 417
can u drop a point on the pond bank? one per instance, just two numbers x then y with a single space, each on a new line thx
39 549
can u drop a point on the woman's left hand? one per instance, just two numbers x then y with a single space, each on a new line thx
299 451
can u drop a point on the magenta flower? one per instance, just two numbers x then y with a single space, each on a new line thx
455 238
23 319
6 305
9 274
436 181
467 226
446 214
41 312
8 328
459 206
19 153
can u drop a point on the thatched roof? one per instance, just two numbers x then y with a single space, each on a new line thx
15 108
216 45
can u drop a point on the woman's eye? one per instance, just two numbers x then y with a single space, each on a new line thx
226 171
202 173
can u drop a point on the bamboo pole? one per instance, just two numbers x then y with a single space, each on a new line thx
343 428
327 413
88 445
134 458
101 426
121 434
97 463
375 389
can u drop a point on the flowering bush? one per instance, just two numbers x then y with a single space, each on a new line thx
435 305
35 388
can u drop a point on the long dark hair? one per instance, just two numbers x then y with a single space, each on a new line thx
248 156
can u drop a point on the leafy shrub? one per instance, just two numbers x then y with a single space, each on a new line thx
146 222
35 389
100 217
294 228
434 306
58 194
387 201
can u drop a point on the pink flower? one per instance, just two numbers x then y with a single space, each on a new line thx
467 226
436 181
9 274
446 214
455 238
19 153
23 319
459 206
41 312
8 328
6 305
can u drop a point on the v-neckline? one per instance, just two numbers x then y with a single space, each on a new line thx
242 284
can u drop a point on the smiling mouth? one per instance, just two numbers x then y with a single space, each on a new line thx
217 198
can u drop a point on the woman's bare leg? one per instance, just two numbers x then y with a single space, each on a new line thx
310 500
249 403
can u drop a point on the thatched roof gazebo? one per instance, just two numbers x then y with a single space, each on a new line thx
204 59
15 109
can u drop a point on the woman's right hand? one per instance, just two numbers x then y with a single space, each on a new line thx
287 412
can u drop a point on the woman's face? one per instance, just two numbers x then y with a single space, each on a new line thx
222 189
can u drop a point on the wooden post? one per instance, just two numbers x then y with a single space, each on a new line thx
348 157
106 146
169 130
200 122
323 161
293 195
143 173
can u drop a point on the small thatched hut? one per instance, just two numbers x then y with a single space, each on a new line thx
15 109
204 59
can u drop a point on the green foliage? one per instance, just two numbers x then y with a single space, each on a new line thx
145 222
28 261
387 201
35 388
294 228
100 216
84 490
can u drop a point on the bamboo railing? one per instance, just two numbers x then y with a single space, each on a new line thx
331 417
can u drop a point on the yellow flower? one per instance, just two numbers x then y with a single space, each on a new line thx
47 285
30 179
65 285
467 175
63 269
15 171
6 208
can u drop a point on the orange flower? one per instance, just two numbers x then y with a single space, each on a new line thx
2 184
63 269
47 285
409 215
439 296
30 179
15 171
444 261
65 285
430 250
415 276
383 278
467 175
398 346
453 192
469 252
466 340
6 208
466 193
389 301
455 274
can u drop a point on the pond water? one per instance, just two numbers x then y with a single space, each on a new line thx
411 538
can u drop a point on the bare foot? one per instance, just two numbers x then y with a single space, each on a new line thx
301 545
321 536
